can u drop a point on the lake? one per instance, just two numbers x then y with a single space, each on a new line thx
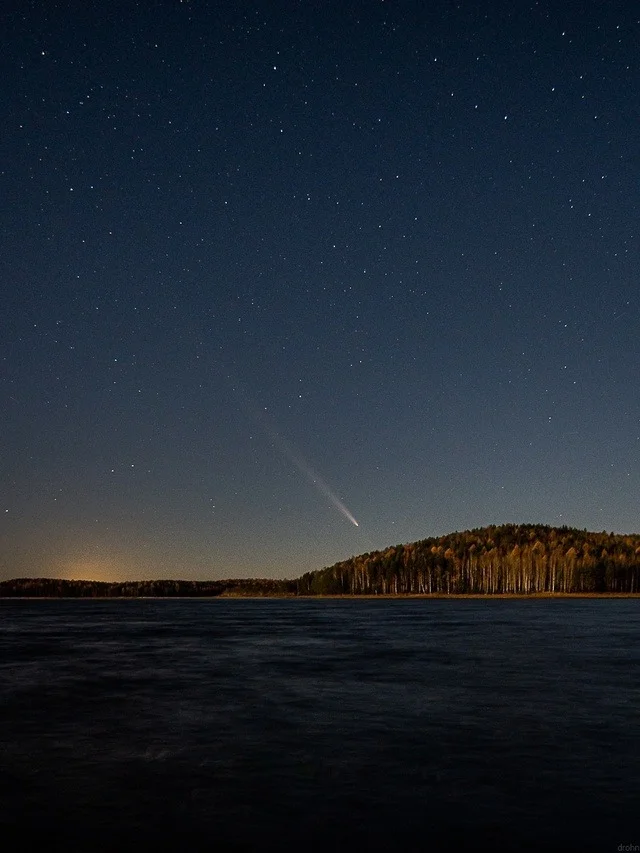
281 724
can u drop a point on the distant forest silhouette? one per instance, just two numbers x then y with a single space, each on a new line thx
508 559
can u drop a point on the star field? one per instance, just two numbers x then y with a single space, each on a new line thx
258 258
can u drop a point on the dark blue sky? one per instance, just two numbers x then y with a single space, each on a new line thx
391 248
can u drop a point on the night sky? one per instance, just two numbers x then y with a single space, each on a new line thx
271 269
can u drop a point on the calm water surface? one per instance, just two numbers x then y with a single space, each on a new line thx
320 725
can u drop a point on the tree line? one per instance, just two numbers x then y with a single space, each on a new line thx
63 588
507 559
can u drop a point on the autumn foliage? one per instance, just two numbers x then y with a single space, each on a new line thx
516 559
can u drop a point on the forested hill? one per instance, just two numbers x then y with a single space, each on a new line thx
516 559
512 558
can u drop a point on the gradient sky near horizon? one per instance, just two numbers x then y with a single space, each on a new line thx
271 268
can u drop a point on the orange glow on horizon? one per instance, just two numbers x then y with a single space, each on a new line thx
88 570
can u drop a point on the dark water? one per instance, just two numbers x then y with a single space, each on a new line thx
320 725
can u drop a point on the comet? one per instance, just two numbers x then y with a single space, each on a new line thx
289 451
307 471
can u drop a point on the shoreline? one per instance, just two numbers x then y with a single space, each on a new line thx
347 597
